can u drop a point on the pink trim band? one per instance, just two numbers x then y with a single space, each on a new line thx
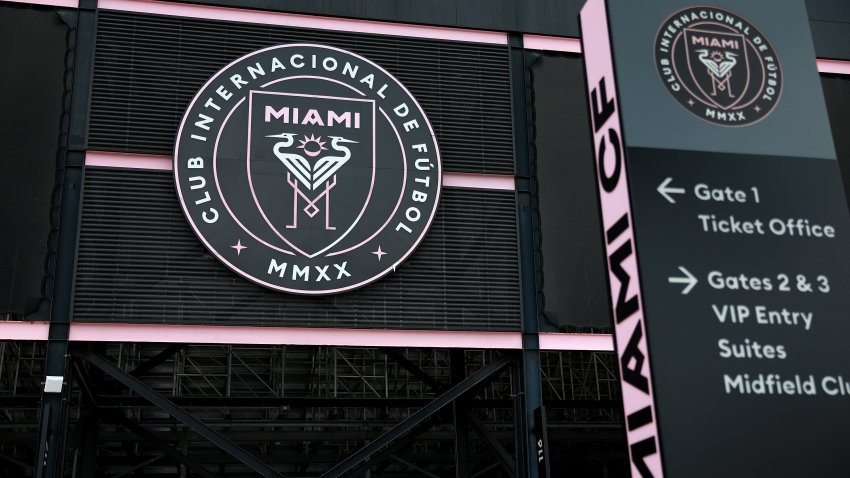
479 181
165 163
841 67
127 160
587 342
539 42
224 334
221 334
304 21
50 3
24 330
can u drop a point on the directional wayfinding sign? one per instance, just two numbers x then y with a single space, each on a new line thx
727 232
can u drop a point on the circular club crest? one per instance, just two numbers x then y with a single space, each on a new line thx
307 169
718 65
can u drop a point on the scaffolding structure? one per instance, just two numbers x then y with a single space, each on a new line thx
300 409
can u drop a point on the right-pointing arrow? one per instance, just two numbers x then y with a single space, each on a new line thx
689 279
666 191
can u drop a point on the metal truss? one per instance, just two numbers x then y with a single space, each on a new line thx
303 410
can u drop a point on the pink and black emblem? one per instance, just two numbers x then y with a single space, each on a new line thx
718 66
307 169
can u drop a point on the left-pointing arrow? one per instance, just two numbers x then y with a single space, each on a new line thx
665 190
688 279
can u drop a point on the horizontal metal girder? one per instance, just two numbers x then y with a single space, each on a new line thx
123 401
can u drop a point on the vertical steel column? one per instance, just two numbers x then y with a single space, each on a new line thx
53 416
529 391
457 364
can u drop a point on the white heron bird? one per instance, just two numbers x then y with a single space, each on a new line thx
718 64
312 176
326 166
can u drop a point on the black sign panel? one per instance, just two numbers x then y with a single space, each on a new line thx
307 169
726 231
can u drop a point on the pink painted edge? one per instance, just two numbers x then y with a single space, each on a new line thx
615 204
19 330
841 67
50 3
587 342
502 182
127 160
304 21
540 42
223 334
479 181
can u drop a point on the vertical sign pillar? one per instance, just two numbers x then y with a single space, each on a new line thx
726 230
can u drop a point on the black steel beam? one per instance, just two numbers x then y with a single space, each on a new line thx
169 407
506 461
457 391
25 468
529 391
457 370
162 446
65 215
411 367
123 401
380 460
157 359
12 436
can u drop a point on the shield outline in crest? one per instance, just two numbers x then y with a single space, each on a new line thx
253 191
692 70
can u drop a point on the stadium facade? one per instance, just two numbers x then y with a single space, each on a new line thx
458 328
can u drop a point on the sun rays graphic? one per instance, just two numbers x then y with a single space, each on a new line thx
314 150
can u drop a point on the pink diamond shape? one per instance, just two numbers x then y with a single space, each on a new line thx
311 210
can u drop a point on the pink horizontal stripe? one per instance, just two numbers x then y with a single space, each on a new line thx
51 3
539 42
303 21
165 163
126 160
24 330
840 67
220 334
590 342
479 181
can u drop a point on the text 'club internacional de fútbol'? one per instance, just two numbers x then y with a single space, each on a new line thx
472 239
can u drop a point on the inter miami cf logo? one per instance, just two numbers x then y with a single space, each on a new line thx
307 169
718 66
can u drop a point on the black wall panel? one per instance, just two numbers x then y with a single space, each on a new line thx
147 68
139 261
32 55
574 278
830 19
836 92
